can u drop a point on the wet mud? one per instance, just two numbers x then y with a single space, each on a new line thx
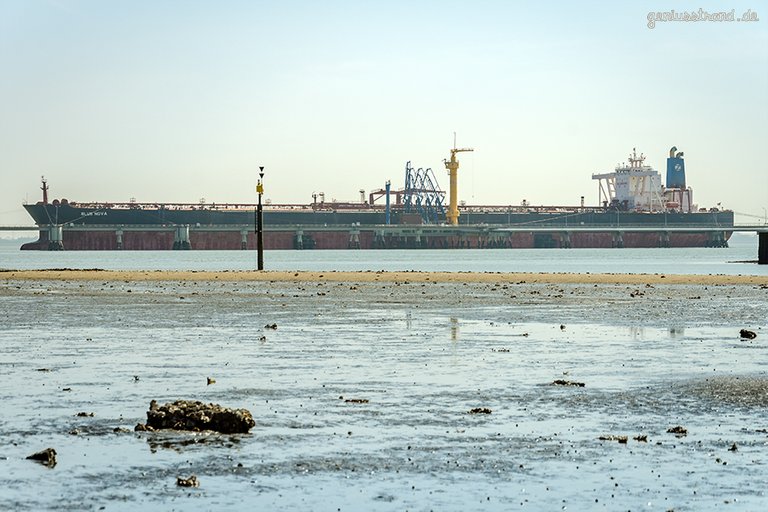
363 398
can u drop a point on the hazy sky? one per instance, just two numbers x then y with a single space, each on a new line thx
173 101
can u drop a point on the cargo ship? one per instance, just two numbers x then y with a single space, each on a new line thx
634 210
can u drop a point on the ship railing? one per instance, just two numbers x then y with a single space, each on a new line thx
230 206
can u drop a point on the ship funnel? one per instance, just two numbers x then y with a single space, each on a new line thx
675 169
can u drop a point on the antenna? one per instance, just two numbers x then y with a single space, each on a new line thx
454 140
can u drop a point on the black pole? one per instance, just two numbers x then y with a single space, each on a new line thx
260 224
260 235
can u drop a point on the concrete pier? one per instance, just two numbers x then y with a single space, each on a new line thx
295 236
181 238
354 239
762 248
55 238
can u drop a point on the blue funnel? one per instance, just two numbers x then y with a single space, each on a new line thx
675 169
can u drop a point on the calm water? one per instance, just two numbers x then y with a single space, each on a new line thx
672 261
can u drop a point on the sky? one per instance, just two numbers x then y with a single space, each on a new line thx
176 101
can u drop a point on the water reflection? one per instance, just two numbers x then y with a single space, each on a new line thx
638 333
454 329
676 332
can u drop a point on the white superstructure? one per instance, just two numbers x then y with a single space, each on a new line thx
632 187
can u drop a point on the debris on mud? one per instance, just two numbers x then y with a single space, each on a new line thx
271 326
499 350
192 481
733 448
620 439
211 381
561 382
84 415
196 416
747 334
641 438
356 400
678 431
480 410
46 457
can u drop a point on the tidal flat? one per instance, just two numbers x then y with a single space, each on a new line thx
403 392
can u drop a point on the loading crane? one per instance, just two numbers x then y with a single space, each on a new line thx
453 167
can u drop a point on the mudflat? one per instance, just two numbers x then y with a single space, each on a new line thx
385 390
373 276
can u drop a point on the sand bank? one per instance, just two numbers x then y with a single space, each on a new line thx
371 276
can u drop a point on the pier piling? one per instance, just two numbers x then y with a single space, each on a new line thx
55 238
181 238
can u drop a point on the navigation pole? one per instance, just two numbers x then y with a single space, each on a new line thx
260 223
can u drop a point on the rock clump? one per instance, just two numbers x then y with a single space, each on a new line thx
561 382
197 416
679 431
46 457
192 481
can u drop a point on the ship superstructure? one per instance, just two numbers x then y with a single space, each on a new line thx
635 186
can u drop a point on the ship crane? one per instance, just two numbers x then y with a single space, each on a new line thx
453 167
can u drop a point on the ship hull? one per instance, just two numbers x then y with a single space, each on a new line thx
307 228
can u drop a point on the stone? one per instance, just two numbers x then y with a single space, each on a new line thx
747 334
561 382
196 416
619 439
678 431
192 481
46 457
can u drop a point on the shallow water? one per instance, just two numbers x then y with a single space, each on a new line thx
423 356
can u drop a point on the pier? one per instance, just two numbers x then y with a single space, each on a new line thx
404 236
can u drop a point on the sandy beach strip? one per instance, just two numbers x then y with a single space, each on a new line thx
380 276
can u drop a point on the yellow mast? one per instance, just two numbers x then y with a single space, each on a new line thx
453 168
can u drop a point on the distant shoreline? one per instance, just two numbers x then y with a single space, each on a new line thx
380 276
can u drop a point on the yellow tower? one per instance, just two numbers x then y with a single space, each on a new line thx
453 169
